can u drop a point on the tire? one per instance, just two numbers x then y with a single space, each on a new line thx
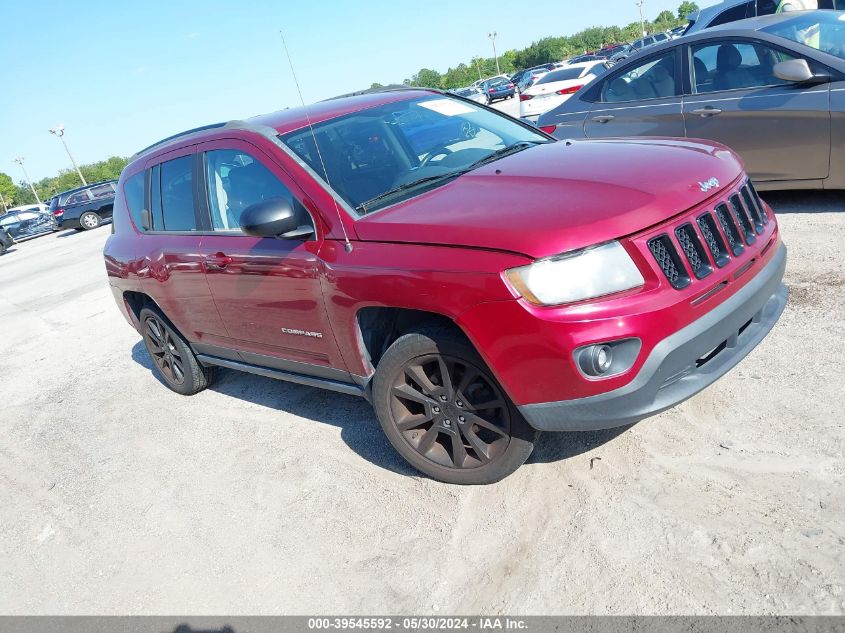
89 220
2 248
174 362
434 424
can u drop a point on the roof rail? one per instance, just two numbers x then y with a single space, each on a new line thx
390 88
202 128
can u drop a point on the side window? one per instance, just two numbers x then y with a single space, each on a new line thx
8 220
79 197
102 191
653 79
235 181
133 189
176 195
735 65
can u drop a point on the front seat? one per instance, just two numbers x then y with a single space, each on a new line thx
619 90
729 74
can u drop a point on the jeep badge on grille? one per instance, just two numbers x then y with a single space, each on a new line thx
707 185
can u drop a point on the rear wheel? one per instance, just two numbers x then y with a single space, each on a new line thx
89 220
173 359
444 412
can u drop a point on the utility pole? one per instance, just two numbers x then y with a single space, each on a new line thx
642 22
492 37
19 161
3 200
59 131
478 66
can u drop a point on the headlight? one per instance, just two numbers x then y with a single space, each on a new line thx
586 274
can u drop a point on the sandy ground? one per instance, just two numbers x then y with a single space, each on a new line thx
256 496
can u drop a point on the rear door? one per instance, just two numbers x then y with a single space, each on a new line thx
171 270
639 100
268 291
737 100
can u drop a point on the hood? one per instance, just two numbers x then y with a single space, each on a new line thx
559 197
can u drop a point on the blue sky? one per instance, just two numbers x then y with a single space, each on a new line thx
121 75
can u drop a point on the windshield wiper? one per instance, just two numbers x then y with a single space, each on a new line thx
363 207
507 150
499 153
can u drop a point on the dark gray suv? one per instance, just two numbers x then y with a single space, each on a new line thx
84 208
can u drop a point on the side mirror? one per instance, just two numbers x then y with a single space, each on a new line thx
274 217
793 70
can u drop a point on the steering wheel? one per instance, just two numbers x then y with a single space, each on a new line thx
437 151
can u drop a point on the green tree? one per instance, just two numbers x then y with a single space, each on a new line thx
376 85
685 9
427 78
7 189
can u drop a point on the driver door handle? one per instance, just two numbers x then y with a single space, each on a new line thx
707 112
603 118
218 261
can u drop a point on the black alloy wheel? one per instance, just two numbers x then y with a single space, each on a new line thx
450 412
172 357
444 411
163 350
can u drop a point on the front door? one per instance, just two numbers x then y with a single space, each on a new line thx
642 101
738 101
267 290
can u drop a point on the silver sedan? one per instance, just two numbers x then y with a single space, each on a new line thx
772 88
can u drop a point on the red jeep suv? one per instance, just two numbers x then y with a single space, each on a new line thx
475 280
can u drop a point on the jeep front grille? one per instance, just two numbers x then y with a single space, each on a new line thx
712 239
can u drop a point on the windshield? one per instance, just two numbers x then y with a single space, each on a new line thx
375 151
565 74
822 30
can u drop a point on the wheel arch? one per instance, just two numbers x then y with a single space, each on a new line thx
378 327
135 302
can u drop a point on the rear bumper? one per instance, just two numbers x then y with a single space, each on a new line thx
672 373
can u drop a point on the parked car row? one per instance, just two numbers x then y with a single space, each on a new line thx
83 208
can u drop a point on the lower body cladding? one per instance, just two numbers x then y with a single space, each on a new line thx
680 365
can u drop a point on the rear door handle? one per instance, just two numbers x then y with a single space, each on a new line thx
706 112
603 118
218 261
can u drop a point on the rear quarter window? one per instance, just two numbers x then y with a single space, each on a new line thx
133 190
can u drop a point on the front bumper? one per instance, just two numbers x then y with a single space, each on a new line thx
680 365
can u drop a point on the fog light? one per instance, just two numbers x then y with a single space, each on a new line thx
602 358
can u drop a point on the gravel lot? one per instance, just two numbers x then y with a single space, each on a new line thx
256 496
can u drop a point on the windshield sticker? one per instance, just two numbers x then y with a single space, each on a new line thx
447 107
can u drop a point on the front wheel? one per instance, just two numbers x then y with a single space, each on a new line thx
445 413
89 220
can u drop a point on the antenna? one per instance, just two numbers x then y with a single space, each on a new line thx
347 243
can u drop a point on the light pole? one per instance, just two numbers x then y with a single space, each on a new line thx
642 22
59 131
478 67
492 37
19 161
3 200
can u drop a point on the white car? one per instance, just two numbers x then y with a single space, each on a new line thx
553 88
